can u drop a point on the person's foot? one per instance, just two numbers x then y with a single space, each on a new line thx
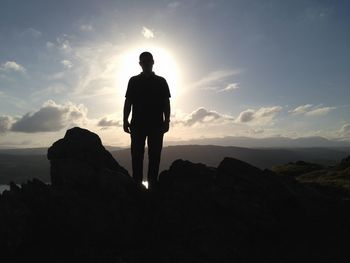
140 187
153 187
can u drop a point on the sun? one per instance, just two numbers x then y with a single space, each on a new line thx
165 65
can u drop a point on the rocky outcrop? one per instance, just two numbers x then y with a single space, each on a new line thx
235 212
79 159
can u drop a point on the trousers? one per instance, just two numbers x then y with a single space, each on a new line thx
154 143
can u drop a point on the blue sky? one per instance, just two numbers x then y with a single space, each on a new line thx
235 68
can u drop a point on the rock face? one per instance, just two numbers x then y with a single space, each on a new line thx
236 212
80 159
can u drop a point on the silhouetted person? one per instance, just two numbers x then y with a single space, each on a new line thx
148 96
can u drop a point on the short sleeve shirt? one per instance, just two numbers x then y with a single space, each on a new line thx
148 95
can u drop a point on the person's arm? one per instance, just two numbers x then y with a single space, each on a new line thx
127 110
166 115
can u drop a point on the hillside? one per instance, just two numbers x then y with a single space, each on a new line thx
333 180
20 166
234 212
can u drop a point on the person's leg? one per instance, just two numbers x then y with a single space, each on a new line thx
138 138
155 144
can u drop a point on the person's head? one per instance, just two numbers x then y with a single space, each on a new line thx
146 61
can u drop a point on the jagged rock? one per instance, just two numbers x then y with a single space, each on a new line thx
187 175
249 184
80 160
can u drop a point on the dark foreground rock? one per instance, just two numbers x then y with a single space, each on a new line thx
94 212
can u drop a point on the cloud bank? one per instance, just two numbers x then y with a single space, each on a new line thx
202 115
106 123
51 117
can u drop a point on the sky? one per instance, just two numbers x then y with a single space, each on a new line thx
249 68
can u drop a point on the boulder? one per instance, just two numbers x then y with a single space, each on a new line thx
80 160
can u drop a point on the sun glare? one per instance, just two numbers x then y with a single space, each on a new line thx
145 183
164 65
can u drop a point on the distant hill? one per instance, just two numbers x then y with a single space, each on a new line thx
42 150
19 165
270 142
333 180
263 158
25 151
20 168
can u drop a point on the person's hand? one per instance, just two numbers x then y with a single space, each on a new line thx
126 126
165 126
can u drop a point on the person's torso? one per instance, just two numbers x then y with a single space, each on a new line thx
149 94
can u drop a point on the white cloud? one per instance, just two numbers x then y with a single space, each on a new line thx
202 115
215 78
310 110
231 86
67 63
262 115
246 116
301 109
268 111
51 117
5 123
147 33
106 122
320 111
12 66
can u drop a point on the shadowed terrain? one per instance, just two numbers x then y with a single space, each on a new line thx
20 165
231 212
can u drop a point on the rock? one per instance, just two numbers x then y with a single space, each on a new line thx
80 160
187 175
259 195
220 211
